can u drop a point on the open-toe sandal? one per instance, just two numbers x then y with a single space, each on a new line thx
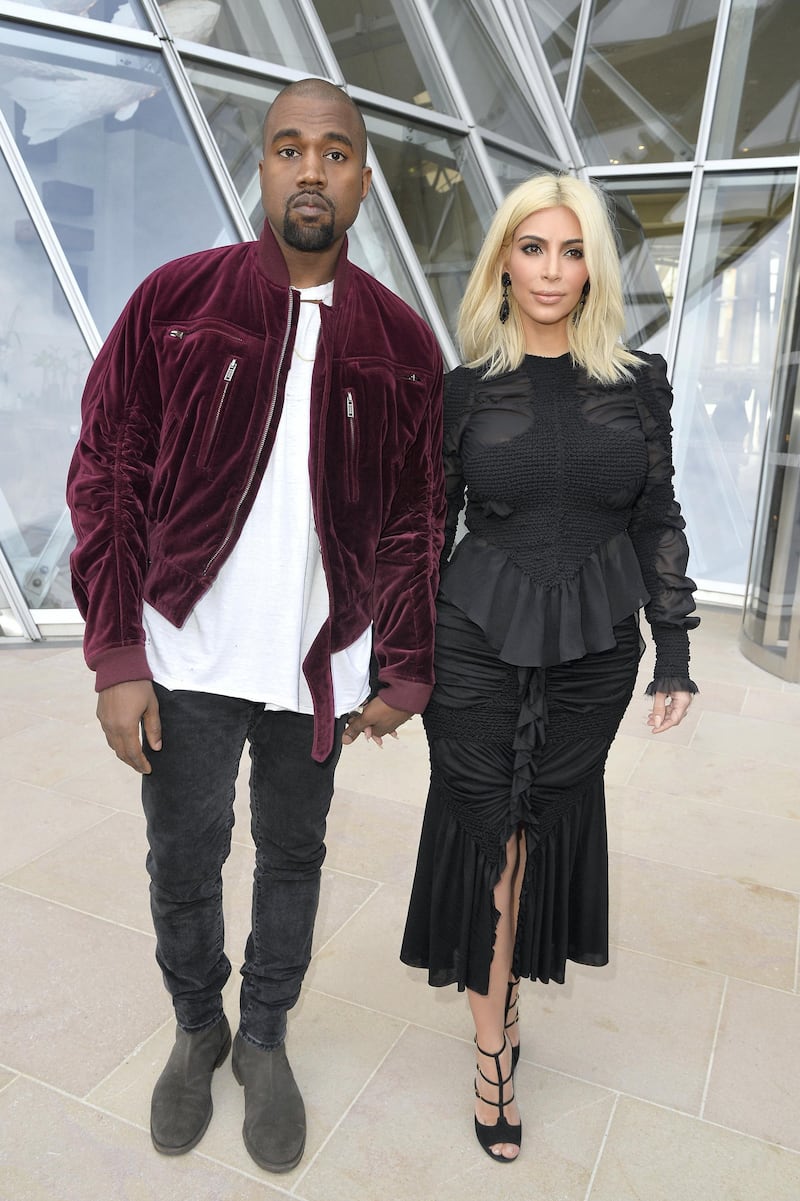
502 1131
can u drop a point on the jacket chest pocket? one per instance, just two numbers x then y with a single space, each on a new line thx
208 375
222 398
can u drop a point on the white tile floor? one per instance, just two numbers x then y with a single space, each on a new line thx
670 1075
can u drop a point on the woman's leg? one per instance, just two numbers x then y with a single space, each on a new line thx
488 1011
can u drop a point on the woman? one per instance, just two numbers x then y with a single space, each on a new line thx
561 438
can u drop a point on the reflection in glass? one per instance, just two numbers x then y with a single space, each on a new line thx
649 216
644 80
757 110
379 46
259 28
771 626
43 363
113 158
436 187
235 107
118 12
475 40
556 22
724 366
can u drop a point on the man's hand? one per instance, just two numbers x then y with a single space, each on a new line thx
120 709
664 716
376 720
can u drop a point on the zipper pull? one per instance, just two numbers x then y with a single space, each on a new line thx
351 408
234 363
177 333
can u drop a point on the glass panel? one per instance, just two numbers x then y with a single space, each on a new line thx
758 102
724 366
43 363
556 22
235 107
129 14
649 216
113 158
478 47
260 28
380 46
772 604
436 186
644 79
509 169
373 248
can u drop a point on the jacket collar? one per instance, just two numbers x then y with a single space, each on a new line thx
272 263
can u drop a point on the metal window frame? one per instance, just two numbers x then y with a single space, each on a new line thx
546 95
58 22
575 77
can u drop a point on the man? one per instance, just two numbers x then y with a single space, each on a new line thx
258 500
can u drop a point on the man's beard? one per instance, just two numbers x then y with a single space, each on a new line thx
309 238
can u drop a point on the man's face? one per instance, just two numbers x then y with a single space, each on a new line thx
312 177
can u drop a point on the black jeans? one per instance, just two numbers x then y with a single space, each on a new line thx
188 803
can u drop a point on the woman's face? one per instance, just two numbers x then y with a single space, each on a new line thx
548 273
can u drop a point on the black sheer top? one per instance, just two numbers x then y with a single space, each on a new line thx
571 516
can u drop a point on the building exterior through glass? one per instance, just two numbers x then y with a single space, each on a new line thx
130 134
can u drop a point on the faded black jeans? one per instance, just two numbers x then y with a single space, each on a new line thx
188 803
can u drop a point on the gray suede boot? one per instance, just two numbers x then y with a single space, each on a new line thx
181 1107
274 1115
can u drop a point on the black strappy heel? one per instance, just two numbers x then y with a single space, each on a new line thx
502 1131
513 1004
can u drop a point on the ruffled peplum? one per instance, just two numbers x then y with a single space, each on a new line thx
531 624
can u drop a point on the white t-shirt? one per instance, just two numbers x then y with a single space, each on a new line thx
248 636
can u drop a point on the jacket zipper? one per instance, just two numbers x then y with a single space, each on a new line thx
264 432
350 410
227 379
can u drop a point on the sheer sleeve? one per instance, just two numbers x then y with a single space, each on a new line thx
456 405
656 530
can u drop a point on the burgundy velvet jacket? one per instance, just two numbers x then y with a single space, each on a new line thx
180 412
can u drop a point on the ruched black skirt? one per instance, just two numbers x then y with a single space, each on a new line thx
515 748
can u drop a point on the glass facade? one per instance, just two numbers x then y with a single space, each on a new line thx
650 216
757 108
724 364
771 626
556 24
644 78
130 134
113 156
43 363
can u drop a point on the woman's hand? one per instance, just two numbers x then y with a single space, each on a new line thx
375 720
669 709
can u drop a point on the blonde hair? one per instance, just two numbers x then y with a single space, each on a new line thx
595 335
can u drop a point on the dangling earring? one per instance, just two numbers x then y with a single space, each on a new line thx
505 280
